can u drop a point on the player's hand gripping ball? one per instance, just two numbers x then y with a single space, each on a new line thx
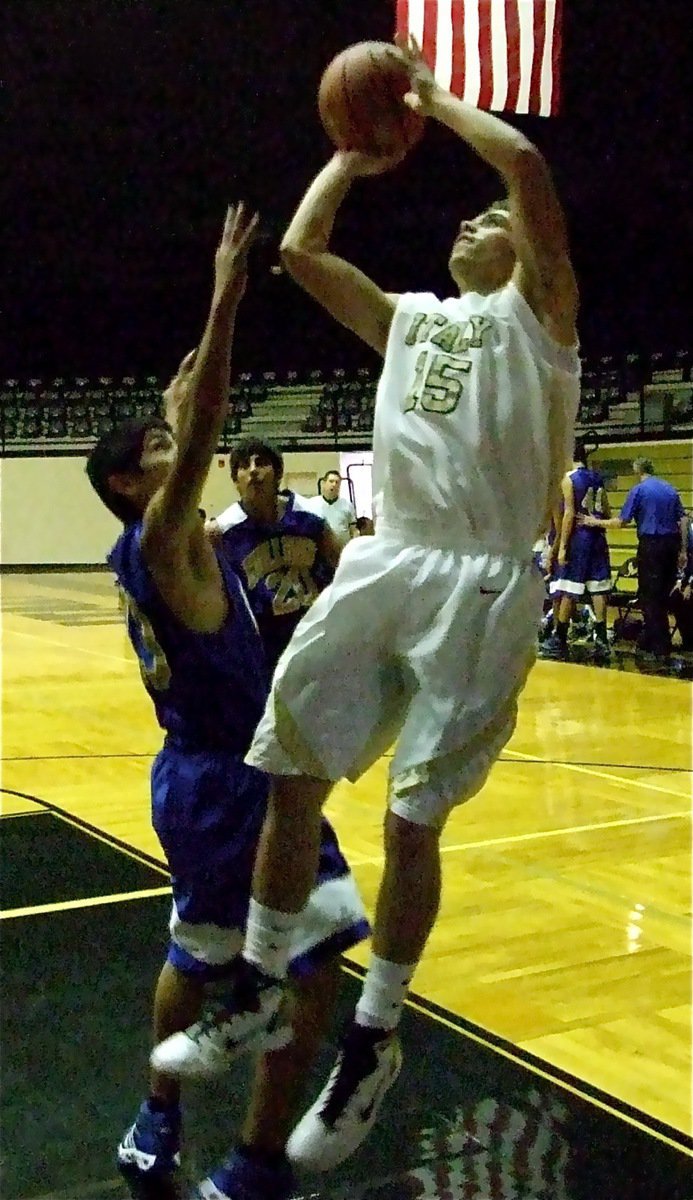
361 101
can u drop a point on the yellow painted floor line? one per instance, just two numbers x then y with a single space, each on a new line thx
88 902
28 812
355 861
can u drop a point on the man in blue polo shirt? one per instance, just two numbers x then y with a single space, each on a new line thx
662 526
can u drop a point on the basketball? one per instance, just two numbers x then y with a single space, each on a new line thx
361 101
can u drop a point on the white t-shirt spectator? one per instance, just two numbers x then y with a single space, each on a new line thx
339 514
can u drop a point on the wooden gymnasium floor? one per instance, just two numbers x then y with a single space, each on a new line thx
565 925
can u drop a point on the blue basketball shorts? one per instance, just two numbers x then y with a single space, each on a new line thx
587 569
208 808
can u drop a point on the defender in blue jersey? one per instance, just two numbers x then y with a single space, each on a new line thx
204 666
284 553
583 563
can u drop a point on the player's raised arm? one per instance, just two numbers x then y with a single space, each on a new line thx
543 273
345 291
175 393
201 402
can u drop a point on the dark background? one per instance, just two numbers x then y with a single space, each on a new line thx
132 123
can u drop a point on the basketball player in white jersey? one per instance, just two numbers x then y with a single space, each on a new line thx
427 633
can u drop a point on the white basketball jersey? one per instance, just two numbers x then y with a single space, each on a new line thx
474 421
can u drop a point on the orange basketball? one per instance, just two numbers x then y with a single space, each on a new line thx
360 101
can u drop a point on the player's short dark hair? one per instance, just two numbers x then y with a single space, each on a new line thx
643 466
116 451
580 451
242 453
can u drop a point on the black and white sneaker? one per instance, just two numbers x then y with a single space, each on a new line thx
367 1065
248 1019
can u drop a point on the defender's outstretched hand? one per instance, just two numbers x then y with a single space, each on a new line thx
231 258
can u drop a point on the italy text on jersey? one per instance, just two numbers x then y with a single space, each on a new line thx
439 371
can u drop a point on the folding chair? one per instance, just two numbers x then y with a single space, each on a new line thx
624 597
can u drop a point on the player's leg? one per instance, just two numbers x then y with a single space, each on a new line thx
600 601
209 849
566 608
282 881
443 756
281 1074
150 1148
333 921
258 1165
370 1056
598 586
569 588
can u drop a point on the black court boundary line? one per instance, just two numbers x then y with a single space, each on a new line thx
523 1058
461 1025
97 757
543 762
100 835
569 762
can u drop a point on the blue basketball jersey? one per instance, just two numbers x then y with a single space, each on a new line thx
588 491
208 689
280 565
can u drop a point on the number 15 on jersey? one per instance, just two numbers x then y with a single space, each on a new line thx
438 382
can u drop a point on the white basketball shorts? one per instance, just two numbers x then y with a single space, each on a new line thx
424 647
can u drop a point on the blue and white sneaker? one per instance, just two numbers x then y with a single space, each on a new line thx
241 1178
151 1147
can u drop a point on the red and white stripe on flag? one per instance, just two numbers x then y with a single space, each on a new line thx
496 54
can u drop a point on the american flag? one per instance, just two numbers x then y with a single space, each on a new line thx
496 54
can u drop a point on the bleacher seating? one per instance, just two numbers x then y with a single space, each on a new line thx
637 394
623 397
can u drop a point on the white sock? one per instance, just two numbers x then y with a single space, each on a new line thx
268 937
384 992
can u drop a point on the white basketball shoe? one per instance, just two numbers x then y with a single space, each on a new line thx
367 1065
248 1019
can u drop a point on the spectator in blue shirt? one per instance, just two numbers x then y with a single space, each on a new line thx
662 527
